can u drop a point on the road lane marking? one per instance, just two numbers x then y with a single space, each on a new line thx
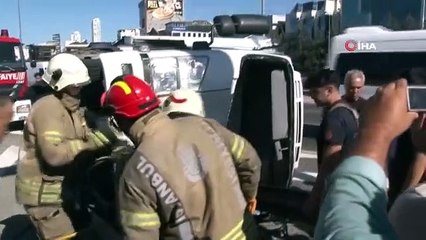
308 154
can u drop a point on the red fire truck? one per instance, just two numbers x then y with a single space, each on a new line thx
13 75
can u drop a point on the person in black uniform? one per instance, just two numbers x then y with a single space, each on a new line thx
38 89
337 131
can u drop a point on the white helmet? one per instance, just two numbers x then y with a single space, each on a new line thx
184 100
65 69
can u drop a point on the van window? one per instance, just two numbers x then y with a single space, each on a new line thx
171 73
126 68
379 68
191 71
164 74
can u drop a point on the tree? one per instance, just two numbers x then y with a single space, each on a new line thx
308 56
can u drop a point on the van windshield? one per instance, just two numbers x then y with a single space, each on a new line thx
11 56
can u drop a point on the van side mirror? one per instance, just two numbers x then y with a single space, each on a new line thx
33 64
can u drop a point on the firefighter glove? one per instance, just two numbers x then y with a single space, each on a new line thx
98 139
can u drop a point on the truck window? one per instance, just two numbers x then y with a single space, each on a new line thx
164 74
191 71
11 56
379 67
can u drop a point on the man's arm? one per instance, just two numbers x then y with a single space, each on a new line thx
416 171
355 204
246 160
356 186
137 211
55 148
138 202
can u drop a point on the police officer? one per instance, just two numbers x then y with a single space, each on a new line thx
54 135
337 131
187 179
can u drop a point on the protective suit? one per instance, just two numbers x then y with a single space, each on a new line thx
55 135
187 179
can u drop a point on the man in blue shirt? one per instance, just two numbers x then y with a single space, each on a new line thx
355 203
336 134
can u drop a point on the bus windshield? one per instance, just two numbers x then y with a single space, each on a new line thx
379 67
11 56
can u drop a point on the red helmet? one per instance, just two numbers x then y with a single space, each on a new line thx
130 97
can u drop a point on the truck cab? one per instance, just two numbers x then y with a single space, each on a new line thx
253 92
13 76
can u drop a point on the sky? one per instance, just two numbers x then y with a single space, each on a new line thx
42 18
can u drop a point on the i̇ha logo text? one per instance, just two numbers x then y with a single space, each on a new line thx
352 45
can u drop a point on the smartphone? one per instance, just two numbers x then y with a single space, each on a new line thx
416 98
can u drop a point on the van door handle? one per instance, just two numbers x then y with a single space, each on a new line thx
279 150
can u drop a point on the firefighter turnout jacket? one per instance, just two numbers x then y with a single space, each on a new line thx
55 133
189 178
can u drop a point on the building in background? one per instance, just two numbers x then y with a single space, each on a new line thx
393 14
154 14
312 19
56 39
96 30
128 33
75 36
278 19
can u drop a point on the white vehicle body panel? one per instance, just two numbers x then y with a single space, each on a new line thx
218 83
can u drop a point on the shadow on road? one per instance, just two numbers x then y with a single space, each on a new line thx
18 227
287 203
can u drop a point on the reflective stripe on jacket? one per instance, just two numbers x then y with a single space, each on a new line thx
189 178
53 137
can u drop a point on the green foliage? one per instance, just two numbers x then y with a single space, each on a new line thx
308 55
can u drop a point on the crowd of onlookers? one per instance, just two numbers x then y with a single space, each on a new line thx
371 160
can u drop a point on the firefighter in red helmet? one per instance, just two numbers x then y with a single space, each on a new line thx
188 179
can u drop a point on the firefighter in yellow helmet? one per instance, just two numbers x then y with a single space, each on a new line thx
55 135
187 179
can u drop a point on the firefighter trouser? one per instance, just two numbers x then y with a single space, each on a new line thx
51 222
250 227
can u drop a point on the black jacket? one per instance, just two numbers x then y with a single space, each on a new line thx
38 90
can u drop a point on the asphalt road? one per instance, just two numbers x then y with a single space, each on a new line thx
14 224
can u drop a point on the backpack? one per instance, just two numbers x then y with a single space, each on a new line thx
354 112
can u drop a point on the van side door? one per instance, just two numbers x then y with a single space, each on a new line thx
266 109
